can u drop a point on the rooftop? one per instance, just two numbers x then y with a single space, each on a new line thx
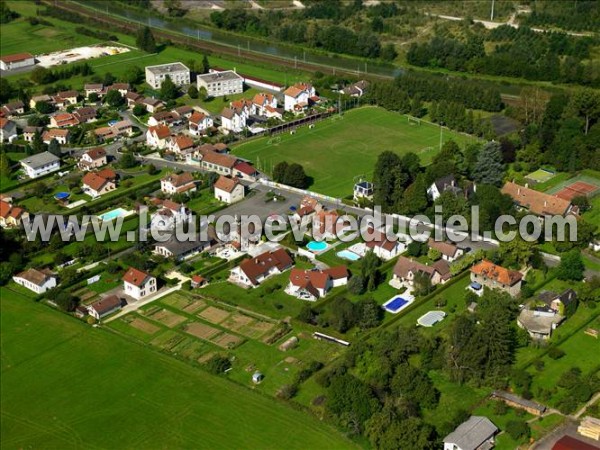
213 77
167 68
471 434
39 160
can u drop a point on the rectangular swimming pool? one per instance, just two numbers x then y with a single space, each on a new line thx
110 215
397 303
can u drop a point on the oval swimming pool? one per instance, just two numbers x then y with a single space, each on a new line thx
315 246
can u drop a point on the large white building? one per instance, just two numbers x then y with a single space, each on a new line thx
138 284
17 61
177 72
41 164
38 281
218 84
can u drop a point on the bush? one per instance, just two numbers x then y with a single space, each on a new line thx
556 353
218 364
287 391
517 429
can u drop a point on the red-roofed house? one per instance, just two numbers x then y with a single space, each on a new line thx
218 162
406 269
253 271
174 184
63 120
138 284
260 103
96 184
228 190
297 96
245 171
313 284
16 61
92 159
157 136
104 307
486 273
180 144
61 136
11 216
383 246
199 123
8 130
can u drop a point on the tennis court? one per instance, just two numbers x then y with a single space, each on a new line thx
580 185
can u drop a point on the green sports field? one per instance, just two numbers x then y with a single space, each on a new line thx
66 385
337 151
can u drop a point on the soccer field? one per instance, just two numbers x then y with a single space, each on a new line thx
337 151
66 385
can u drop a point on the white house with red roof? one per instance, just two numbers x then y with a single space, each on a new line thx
253 271
10 215
260 103
138 284
245 171
92 159
178 183
228 190
297 97
61 136
38 281
385 247
233 120
180 144
199 123
313 284
99 183
169 215
16 61
157 137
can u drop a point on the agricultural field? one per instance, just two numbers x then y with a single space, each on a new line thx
95 381
338 150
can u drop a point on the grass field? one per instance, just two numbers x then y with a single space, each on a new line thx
66 385
337 151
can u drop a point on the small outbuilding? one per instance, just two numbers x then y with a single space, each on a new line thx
257 377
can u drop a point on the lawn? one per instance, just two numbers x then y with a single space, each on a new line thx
94 381
336 151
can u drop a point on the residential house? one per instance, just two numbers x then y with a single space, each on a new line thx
133 98
276 113
245 171
67 98
96 184
63 120
92 159
384 247
477 433
8 130
93 88
29 133
177 184
103 134
199 123
169 215
297 97
537 202
228 190
38 281
61 136
181 249
180 144
218 84
488 274
85 114
14 108
157 136
357 89
313 284
152 105
164 118
406 269
138 284
122 128
260 103
327 224
233 120
105 307
198 281
33 101
443 184
253 271
177 72
16 61
220 163
539 322
558 302
363 190
450 252
40 164
184 112
10 215
123 88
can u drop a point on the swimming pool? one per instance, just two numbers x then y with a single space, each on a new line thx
112 122
315 246
397 303
110 215
347 254
61 195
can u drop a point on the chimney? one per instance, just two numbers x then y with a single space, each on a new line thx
545 203
526 185
519 191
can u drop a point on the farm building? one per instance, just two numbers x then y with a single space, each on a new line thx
17 61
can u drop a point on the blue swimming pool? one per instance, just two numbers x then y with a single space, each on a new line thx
396 303
347 254
315 246
110 215
112 122
61 195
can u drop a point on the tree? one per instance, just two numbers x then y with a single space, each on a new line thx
193 91
517 429
517 252
41 75
295 176
434 254
370 313
145 40
133 75
279 171
415 198
4 165
44 107
139 110
113 98
489 168
168 90
205 64
65 301
356 285
218 364
93 97
369 270
127 161
54 148
585 103
152 170
571 266
351 400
